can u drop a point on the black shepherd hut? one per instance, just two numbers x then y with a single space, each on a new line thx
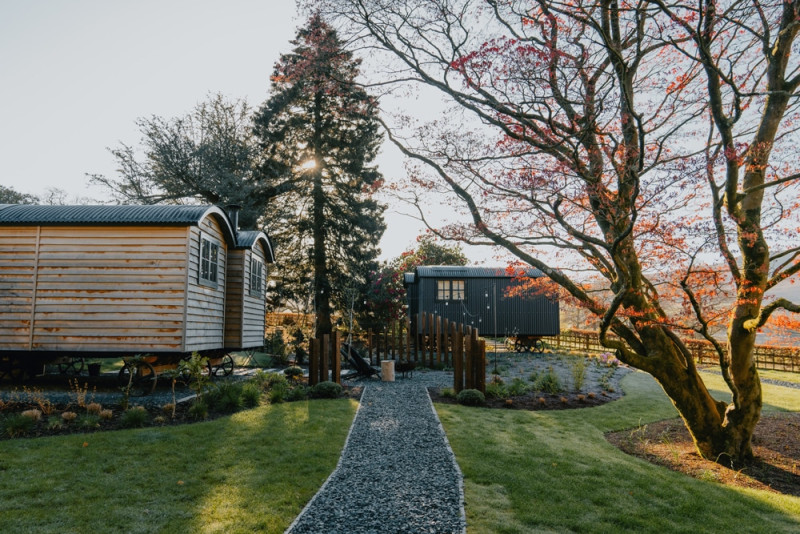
481 297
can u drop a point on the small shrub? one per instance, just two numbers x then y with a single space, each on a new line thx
548 382
564 400
297 394
168 408
591 394
326 390
69 417
54 423
94 408
581 398
34 414
518 387
471 397
276 379
542 401
509 403
225 398
293 373
89 421
496 390
135 417
497 380
534 376
277 394
38 397
251 395
159 420
448 393
198 411
16 425
106 415
577 367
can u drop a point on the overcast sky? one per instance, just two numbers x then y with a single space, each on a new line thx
77 74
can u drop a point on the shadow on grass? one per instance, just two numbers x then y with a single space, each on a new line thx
554 471
250 472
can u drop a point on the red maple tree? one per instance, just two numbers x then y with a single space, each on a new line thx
640 154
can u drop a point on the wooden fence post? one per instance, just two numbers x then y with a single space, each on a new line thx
431 340
479 366
458 358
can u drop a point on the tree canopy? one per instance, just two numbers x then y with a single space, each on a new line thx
320 128
641 155
385 299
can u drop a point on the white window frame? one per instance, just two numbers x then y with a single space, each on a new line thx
257 277
208 264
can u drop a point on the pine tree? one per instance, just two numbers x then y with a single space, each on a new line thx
321 128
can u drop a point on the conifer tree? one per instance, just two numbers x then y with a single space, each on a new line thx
321 128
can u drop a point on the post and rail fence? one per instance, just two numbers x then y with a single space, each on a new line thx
427 341
766 356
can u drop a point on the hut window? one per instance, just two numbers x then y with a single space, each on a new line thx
256 277
209 261
449 290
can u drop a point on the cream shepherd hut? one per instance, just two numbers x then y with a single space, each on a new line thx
129 279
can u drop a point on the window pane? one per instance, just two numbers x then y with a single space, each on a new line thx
458 289
442 290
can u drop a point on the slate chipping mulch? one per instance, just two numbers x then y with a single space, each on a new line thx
397 472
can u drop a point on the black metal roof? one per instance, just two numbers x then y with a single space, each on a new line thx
455 271
248 238
23 214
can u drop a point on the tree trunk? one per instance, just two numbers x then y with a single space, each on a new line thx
322 286
721 432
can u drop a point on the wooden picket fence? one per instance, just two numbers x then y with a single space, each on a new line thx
766 357
435 343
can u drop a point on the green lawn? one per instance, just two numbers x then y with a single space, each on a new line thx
250 472
553 471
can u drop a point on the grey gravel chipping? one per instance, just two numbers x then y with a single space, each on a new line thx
397 473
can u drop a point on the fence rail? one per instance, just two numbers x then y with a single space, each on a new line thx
766 357
435 343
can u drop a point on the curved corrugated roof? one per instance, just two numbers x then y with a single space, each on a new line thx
455 271
18 214
248 238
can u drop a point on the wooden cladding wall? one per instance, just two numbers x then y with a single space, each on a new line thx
98 288
244 312
17 272
205 305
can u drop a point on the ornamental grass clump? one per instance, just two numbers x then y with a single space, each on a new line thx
548 382
16 425
69 417
33 414
577 367
471 397
326 390
135 417
251 395
227 397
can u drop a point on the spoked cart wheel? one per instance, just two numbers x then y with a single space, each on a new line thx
71 366
144 377
538 346
11 369
225 367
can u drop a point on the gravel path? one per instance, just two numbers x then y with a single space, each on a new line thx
397 472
